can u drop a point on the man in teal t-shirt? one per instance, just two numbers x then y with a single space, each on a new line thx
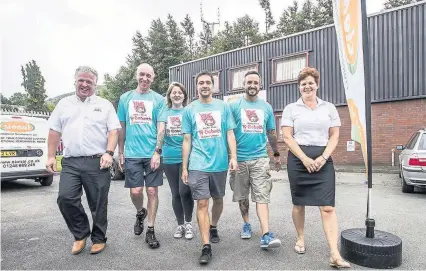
255 126
138 112
207 126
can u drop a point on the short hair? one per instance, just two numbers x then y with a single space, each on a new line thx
204 72
141 65
86 69
250 73
309 71
169 91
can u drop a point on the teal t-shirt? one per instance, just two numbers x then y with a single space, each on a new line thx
173 138
208 124
253 119
140 112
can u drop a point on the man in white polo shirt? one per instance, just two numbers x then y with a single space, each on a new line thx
89 126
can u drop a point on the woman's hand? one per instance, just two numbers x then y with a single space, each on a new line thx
309 164
319 163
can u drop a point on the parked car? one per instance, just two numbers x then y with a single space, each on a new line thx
114 170
412 160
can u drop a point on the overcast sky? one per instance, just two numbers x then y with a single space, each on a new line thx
60 35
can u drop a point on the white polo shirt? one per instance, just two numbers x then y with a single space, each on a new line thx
84 125
311 126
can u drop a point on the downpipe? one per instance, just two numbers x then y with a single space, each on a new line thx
393 157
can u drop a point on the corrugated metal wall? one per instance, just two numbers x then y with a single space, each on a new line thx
397 55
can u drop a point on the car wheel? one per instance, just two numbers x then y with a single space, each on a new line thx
46 181
405 187
115 172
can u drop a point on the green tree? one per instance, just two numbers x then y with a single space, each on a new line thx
18 98
243 32
123 81
159 51
50 106
397 3
269 19
189 32
33 83
178 49
311 15
205 40
289 21
323 13
4 99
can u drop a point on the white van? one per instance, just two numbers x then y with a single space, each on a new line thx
24 149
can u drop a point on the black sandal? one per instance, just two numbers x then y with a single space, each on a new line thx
151 239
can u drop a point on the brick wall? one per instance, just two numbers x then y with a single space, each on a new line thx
393 123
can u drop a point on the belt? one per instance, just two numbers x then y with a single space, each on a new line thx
87 157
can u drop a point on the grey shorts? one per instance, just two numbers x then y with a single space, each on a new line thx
138 173
205 185
252 174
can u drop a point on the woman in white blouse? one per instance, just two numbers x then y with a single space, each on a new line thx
310 128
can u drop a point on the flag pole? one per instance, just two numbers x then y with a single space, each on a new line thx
362 246
369 222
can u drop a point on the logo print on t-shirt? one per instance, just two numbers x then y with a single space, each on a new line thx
173 127
252 120
140 112
209 124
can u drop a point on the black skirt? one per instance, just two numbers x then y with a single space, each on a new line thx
311 189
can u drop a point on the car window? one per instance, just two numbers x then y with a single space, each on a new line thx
422 143
412 142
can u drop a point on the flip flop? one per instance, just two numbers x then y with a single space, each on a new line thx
299 249
339 263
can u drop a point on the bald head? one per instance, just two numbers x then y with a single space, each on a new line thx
145 76
145 67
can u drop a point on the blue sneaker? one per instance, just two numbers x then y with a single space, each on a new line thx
246 232
269 241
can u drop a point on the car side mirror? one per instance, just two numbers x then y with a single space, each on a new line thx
400 147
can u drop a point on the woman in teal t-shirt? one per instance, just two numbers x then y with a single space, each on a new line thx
170 125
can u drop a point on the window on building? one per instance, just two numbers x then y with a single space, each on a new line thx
286 69
216 88
237 76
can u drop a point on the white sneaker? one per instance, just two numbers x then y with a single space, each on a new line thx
180 231
188 231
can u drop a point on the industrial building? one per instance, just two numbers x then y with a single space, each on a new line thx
397 40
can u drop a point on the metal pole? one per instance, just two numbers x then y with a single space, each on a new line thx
369 222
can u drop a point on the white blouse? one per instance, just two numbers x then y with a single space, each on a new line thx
311 126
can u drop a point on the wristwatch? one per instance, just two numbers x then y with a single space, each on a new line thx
276 154
110 153
158 150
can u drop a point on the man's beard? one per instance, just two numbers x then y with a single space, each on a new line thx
248 92
204 95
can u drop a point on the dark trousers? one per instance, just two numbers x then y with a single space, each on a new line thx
183 204
78 173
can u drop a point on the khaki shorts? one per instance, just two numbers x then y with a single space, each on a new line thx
252 174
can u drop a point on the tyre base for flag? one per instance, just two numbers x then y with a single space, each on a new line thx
383 251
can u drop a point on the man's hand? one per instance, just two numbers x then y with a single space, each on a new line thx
185 176
233 164
106 161
309 164
155 161
51 164
121 162
319 163
277 162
